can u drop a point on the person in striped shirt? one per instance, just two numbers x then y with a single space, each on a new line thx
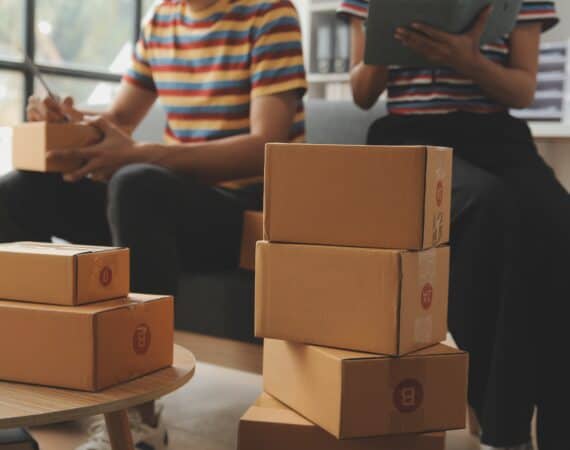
230 76
511 217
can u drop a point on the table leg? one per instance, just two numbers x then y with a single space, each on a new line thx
119 430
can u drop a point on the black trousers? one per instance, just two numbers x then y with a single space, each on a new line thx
170 222
510 271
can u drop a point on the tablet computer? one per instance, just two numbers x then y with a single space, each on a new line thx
453 16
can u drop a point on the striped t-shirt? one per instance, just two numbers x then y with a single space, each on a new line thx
207 66
442 90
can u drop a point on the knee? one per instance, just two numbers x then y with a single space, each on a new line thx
137 187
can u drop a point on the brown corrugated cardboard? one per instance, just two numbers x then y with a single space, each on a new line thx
362 196
31 142
354 395
62 274
270 425
380 301
252 232
88 347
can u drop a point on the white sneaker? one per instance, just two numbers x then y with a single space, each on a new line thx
527 446
145 437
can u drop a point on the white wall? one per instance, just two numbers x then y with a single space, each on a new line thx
562 30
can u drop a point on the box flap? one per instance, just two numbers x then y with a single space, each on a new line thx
90 309
347 355
43 248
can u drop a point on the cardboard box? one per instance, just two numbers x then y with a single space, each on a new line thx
361 196
89 347
252 232
31 142
380 301
269 424
63 274
354 395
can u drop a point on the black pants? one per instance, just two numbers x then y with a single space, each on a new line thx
170 222
510 271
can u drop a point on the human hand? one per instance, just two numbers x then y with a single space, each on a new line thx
102 160
48 109
458 51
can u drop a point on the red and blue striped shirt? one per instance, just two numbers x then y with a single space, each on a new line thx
442 90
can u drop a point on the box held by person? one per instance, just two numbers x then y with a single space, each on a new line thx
269 424
380 301
88 347
361 196
32 141
357 395
62 274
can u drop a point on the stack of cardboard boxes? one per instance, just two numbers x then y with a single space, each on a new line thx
351 296
67 318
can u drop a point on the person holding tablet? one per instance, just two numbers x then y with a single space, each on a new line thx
511 217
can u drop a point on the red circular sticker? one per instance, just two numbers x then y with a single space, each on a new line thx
106 276
439 193
427 296
141 339
408 396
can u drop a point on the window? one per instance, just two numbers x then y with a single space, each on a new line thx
81 47
66 40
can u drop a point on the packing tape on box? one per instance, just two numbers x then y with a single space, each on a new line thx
407 411
427 274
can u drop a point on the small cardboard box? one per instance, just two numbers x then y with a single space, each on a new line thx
380 301
89 347
354 395
252 232
361 196
63 274
270 425
31 142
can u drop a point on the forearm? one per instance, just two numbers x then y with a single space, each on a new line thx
511 87
212 162
367 82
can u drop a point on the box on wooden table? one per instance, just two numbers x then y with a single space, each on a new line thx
269 424
379 301
357 395
88 347
63 274
33 140
362 196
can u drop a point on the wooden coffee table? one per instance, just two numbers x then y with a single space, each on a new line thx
24 405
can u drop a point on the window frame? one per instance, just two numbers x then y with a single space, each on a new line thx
29 47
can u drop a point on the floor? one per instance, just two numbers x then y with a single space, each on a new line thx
204 415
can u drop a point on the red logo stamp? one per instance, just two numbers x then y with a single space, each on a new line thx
141 339
408 396
427 295
106 276
439 194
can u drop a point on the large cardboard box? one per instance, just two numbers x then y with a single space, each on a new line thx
252 232
354 395
62 274
88 347
32 141
362 196
269 424
380 301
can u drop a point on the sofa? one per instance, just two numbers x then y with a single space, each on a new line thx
221 303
